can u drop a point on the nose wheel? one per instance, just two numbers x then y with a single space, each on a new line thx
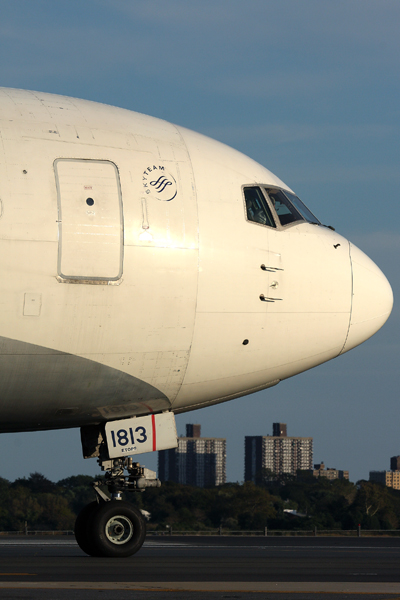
112 529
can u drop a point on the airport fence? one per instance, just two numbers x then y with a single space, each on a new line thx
36 532
283 532
228 532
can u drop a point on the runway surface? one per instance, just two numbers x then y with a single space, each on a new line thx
189 567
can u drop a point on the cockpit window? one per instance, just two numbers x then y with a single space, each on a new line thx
257 210
290 208
302 208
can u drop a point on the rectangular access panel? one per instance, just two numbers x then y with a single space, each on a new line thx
90 220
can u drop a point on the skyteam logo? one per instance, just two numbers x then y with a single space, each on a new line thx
159 183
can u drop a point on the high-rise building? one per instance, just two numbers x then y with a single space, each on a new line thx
193 431
388 478
196 461
395 463
279 429
278 453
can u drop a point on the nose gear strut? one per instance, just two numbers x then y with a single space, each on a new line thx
110 526
137 480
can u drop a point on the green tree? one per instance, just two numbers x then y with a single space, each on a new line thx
23 508
36 483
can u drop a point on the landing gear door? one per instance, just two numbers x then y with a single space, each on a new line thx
141 434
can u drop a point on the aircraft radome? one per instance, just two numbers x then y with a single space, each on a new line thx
147 270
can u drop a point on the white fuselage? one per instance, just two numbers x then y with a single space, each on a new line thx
131 276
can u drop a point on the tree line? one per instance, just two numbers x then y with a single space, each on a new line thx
37 503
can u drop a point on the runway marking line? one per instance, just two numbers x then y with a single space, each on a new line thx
18 574
223 586
162 544
286 548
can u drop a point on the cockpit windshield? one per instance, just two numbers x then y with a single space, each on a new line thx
257 209
289 207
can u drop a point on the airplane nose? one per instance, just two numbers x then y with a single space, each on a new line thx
372 299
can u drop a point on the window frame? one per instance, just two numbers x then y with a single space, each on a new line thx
264 187
268 205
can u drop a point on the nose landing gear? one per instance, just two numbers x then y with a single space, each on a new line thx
110 527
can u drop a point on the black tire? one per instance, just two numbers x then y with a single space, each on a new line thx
83 530
117 529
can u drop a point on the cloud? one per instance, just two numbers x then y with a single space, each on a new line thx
271 83
387 242
345 174
261 49
292 132
288 19
309 27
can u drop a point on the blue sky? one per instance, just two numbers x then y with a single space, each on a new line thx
311 90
